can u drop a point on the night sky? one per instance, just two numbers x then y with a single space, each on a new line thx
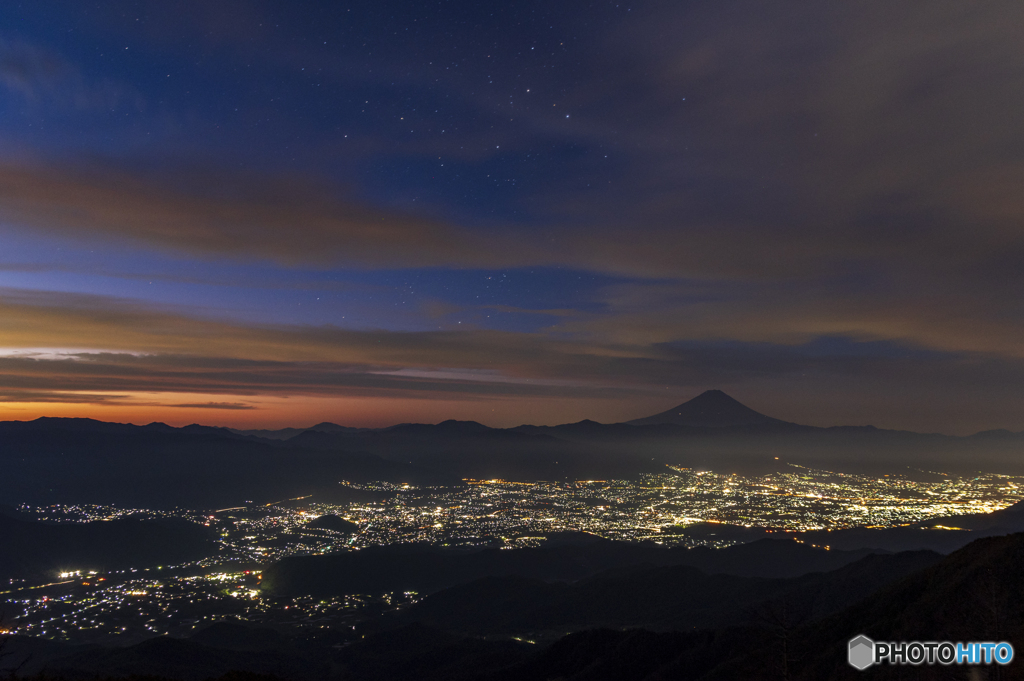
264 214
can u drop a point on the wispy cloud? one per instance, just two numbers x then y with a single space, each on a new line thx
286 220
153 356
42 77
231 406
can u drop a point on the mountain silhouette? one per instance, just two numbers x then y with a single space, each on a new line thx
36 549
974 594
672 597
425 568
68 461
710 409
333 523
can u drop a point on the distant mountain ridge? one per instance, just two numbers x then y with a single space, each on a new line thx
710 409
288 433
59 460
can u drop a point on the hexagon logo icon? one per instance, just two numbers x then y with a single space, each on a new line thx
861 653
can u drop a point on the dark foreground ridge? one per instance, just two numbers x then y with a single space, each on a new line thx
644 623
424 568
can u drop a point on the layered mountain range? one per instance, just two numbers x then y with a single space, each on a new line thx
53 460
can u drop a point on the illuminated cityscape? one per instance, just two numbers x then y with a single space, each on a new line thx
798 499
137 603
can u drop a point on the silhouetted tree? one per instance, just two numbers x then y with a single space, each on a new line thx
781 620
